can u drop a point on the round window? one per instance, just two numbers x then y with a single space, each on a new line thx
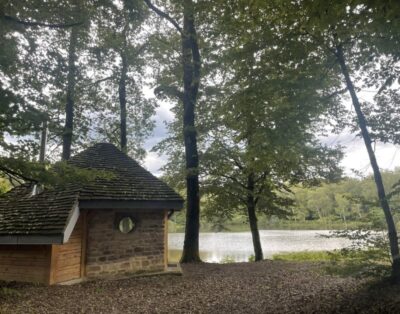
126 225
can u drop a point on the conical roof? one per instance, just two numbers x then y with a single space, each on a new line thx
128 181
44 218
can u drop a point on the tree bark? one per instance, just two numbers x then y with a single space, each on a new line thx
70 103
43 142
191 79
122 101
251 211
15 20
393 239
191 62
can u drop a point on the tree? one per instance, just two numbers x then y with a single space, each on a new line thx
24 106
262 123
191 64
351 33
120 57
70 95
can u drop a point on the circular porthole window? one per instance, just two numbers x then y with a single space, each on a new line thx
126 225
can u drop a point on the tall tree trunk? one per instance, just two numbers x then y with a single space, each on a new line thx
251 210
69 107
43 142
191 63
122 101
191 78
394 246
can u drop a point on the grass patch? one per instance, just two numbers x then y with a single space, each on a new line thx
303 256
356 263
6 292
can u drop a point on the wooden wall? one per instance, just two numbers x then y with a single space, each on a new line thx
66 259
47 264
25 263
165 240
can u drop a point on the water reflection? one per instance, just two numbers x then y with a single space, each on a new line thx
217 247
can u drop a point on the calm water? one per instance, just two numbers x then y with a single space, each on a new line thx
238 246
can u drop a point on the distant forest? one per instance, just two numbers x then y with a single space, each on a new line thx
350 203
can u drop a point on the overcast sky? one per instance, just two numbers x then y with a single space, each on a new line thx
356 157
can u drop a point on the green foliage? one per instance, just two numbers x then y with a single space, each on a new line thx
49 175
368 255
369 251
33 82
308 256
357 263
227 260
6 292
348 201
349 204
4 185
121 45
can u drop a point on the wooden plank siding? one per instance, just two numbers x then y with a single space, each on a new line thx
165 240
66 259
84 216
25 263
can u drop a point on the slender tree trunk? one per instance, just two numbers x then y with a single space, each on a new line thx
122 101
394 246
191 63
191 78
69 107
43 142
251 210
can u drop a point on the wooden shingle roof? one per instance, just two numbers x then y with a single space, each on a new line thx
49 213
46 214
130 181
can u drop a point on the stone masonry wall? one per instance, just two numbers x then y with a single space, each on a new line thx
110 252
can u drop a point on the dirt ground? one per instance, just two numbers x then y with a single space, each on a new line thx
263 287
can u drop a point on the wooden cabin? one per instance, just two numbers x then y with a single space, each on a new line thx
115 224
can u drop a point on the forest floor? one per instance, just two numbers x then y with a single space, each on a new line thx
262 287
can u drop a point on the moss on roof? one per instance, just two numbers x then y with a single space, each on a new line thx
130 181
48 212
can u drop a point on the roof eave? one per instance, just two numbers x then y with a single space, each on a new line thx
32 239
130 204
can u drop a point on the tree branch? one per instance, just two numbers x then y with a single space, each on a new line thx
168 90
15 174
164 15
244 201
233 179
42 24
336 93
387 83
100 80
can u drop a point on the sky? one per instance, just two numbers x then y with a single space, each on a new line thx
356 157
153 162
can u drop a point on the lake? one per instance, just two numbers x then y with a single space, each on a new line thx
238 246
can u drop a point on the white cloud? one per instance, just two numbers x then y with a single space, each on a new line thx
356 156
153 163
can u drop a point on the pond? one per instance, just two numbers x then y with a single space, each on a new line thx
238 246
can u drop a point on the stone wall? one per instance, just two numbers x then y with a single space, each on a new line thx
110 252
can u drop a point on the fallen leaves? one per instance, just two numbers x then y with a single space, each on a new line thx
262 287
